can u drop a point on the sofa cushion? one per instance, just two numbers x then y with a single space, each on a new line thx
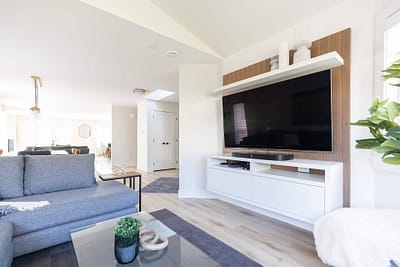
11 177
71 205
6 246
45 174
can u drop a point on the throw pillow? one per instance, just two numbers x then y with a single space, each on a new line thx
44 174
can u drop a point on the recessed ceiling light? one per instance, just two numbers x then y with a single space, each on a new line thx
172 53
158 94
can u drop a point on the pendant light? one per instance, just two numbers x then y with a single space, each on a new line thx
37 83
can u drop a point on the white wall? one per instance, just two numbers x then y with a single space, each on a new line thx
359 16
3 132
387 184
387 177
31 132
199 126
142 136
146 129
124 136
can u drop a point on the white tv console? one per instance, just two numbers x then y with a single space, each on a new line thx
296 191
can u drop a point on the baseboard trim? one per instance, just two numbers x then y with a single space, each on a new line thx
300 224
195 194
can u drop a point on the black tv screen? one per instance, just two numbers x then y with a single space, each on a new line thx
294 114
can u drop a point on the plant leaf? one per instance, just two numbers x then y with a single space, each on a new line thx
369 143
395 160
392 143
393 110
393 72
374 106
380 124
375 133
384 150
394 132
395 84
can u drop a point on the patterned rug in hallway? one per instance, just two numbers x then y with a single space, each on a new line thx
167 185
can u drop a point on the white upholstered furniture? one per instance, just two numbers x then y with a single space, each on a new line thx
359 237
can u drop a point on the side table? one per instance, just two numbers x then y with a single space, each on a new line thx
131 176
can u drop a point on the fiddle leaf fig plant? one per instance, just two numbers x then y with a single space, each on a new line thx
382 123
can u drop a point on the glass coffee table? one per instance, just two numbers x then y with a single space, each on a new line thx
94 246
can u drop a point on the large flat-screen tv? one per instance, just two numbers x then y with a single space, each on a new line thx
294 114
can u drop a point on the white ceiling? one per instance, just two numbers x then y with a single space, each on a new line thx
231 25
89 59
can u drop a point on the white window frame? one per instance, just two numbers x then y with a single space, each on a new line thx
384 9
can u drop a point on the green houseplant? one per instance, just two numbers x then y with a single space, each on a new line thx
382 123
126 245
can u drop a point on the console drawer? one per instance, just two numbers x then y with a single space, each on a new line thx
301 201
229 183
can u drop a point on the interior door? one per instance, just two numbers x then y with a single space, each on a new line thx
164 140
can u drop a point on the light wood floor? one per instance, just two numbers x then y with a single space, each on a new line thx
265 240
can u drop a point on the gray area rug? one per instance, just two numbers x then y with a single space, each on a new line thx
168 185
63 255
214 248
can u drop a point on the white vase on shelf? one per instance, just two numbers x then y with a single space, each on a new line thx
302 51
274 63
283 55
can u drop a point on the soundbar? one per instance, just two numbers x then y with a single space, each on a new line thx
263 156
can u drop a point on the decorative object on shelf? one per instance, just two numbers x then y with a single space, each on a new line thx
302 51
150 240
382 123
283 55
84 131
119 169
37 82
274 63
126 245
1 152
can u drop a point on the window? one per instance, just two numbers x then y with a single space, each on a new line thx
392 51
239 117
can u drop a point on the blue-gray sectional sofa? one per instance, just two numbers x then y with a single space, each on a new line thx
43 197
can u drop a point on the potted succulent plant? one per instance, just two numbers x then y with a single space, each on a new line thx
383 123
126 245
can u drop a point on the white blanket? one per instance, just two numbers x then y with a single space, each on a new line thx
23 206
359 237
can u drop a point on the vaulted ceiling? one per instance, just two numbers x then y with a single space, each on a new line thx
228 26
90 53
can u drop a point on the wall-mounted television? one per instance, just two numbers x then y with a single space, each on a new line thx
295 114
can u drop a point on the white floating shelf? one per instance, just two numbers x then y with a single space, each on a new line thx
313 65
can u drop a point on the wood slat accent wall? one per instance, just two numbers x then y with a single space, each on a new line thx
341 43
